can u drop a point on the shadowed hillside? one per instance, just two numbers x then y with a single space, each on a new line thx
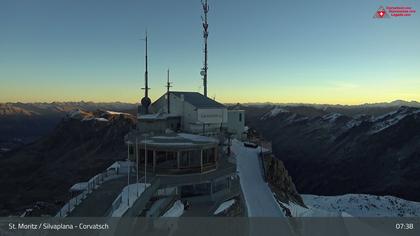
82 144
331 153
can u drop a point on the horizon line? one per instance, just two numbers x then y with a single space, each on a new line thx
227 103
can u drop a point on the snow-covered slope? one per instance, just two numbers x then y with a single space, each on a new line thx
337 152
127 198
358 205
274 112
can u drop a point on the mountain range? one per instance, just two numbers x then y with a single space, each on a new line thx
82 144
330 150
395 103
331 153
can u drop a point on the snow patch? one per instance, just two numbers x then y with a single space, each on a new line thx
176 210
224 206
79 187
332 117
197 138
128 196
96 119
300 211
392 118
353 123
274 112
362 205
101 119
116 113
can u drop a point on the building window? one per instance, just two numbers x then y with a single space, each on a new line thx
240 117
208 156
184 160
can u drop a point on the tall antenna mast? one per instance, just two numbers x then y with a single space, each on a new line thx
145 101
146 73
168 86
205 36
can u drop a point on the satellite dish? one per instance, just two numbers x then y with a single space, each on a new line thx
202 72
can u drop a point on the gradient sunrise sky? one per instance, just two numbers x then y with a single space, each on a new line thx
328 51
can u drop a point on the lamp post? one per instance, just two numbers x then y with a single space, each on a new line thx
128 174
145 160
137 167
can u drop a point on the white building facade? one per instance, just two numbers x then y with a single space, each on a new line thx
199 114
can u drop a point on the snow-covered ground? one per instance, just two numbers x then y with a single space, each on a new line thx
79 186
299 211
176 210
332 117
392 118
224 206
259 199
360 205
95 118
128 196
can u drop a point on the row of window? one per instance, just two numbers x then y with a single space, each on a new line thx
186 159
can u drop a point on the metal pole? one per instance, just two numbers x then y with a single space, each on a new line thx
168 86
128 175
145 161
146 73
69 204
205 35
137 167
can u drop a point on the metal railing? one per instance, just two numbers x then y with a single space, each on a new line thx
262 166
92 184
164 205
140 203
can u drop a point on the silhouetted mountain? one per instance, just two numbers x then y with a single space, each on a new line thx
30 109
331 153
82 145
396 103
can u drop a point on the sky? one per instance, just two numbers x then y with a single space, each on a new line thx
328 51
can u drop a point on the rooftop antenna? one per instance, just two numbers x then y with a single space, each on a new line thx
168 86
145 101
205 36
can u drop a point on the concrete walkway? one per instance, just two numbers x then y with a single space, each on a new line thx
259 199
199 210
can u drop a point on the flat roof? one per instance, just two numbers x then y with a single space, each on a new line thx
173 141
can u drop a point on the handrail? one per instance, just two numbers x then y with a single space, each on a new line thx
144 198
92 184
165 205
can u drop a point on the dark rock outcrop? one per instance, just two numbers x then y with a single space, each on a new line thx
280 181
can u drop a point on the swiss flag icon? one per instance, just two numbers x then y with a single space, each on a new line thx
381 13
